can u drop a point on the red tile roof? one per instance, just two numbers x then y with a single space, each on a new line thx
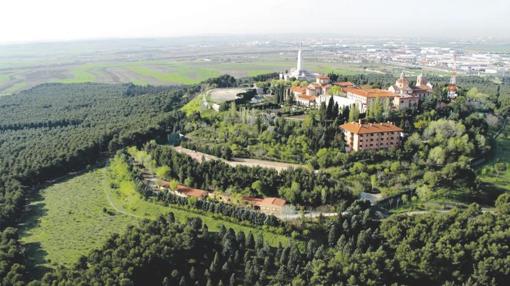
344 84
358 128
298 89
369 92
191 192
270 201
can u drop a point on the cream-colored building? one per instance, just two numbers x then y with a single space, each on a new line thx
406 102
401 86
407 97
364 97
423 87
371 136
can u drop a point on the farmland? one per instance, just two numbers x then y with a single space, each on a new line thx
157 63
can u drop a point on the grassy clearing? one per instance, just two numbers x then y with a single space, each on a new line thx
72 217
194 105
491 173
68 220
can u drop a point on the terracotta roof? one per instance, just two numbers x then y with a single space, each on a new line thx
298 89
344 84
307 97
358 128
270 201
191 192
323 77
369 92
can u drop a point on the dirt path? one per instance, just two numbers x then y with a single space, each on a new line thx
199 156
119 210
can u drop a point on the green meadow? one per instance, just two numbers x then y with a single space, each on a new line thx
495 174
72 217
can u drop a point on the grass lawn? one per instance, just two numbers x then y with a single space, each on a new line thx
72 217
194 105
497 181
67 220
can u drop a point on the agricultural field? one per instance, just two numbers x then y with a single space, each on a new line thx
74 216
166 65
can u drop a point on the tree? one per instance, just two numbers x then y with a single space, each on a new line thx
354 113
503 203
215 264
386 108
375 110
333 76
232 280
332 236
323 112
336 110
329 110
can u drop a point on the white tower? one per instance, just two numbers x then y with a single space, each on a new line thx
453 79
299 62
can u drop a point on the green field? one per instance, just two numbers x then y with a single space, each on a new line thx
172 72
3 78
495 179
193 105
154 72
81 74
74 216
68 220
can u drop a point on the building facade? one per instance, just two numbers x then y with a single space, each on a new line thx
269 205
364 97
406 102
371 136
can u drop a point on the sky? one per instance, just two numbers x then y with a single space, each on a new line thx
55 20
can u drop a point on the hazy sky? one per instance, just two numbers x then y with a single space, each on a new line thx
42 20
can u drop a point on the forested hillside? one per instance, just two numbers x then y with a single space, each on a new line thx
442 249
52 129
